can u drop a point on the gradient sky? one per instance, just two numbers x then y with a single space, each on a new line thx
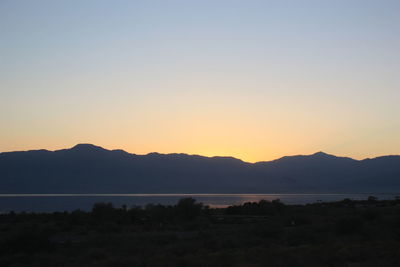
252 79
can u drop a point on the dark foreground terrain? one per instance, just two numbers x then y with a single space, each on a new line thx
345 233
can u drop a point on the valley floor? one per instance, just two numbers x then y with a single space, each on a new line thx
345 233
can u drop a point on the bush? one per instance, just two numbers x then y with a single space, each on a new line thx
103 211
188 209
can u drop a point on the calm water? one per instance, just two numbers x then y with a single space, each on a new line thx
68 202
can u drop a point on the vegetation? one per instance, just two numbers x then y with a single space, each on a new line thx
345 233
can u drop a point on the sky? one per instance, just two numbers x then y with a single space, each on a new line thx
256 80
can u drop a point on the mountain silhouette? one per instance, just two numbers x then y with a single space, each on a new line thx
87 168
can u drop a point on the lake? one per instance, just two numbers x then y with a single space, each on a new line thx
69 202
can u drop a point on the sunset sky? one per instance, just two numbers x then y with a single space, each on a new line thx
256 80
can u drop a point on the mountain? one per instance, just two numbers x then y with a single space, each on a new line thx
86 168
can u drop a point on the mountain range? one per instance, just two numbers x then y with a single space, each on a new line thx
87 168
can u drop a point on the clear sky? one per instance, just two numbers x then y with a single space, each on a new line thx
251 79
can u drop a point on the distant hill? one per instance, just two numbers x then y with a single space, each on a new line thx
87 168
